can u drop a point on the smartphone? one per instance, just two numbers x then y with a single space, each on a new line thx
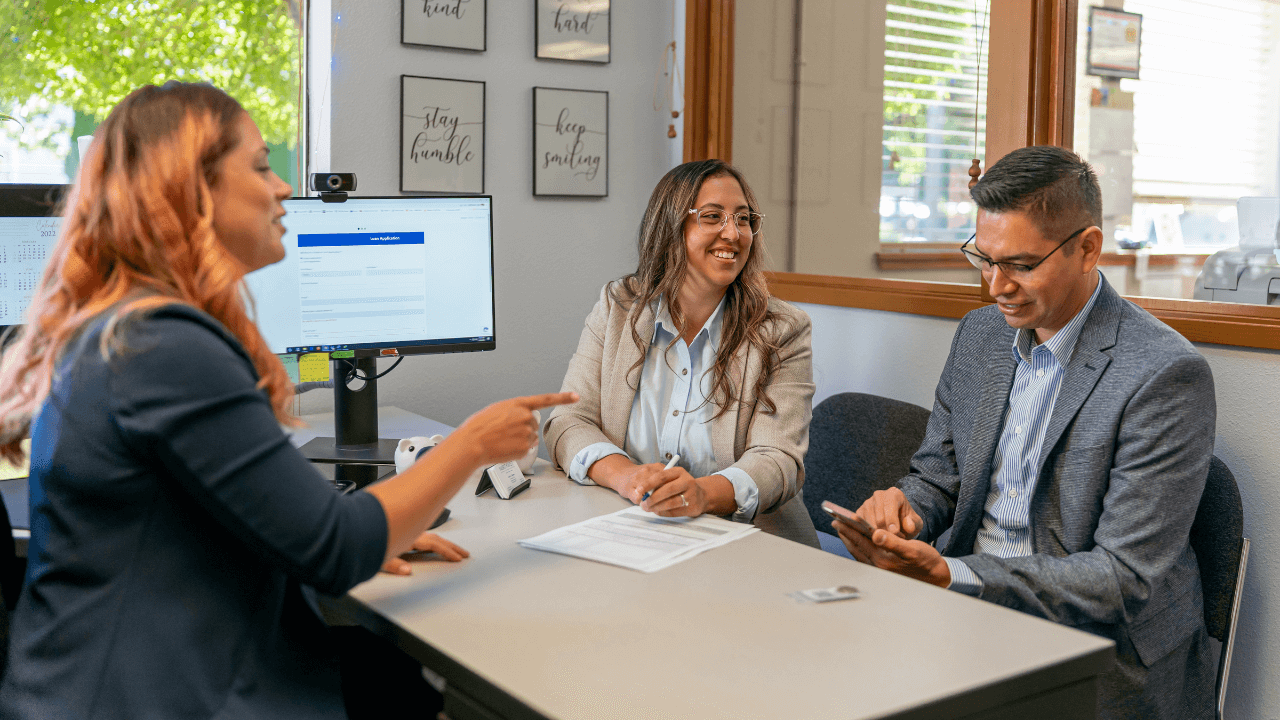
847 517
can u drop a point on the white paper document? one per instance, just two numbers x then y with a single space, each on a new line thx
639 540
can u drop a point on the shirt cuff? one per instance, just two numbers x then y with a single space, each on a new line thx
587 457
745 492
963 579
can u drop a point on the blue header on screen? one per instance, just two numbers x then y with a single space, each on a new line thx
319 240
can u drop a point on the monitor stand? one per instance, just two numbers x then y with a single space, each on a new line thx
359 456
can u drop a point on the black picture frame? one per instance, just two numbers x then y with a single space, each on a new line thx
563 166
548 12
1094 57
440 35
444 146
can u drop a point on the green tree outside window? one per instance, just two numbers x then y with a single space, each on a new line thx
88 54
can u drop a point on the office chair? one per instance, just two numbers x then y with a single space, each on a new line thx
10 582
858 444
1222 551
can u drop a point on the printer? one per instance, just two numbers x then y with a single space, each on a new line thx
1250 272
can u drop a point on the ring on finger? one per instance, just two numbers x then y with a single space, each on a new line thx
685 499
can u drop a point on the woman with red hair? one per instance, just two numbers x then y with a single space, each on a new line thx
176 534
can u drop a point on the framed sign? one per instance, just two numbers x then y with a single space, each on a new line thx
441 135
444 23
570 142
1115 43
572 30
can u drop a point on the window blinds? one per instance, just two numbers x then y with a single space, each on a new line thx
930 61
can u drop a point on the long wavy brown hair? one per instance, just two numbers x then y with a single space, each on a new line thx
138 234
663 262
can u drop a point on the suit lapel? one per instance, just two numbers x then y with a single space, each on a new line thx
1086 366
988 420
724 429
618 394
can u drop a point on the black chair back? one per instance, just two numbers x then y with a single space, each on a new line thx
858 444
1216 537
10 582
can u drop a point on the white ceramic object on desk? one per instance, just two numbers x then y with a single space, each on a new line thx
526 462
409 449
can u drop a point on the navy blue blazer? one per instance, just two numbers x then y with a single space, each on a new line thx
175 538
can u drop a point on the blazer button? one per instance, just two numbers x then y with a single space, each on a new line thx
668 456
684 371
675 413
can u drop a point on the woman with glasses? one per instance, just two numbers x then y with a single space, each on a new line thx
689 359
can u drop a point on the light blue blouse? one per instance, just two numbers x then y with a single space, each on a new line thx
671 415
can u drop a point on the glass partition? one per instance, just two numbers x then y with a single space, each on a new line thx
863 139
1185 144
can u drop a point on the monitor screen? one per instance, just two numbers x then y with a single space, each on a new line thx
28 232
380 276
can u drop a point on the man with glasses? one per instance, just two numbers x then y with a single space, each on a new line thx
1067 450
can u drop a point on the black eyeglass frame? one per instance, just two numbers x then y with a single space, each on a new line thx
984 263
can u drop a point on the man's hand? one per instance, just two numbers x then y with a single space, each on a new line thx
889 510
427 542
912 558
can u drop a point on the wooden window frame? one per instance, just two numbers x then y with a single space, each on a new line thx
1030 101
708 88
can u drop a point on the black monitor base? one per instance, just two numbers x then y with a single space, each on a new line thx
350 478
355 466
327 450
359 456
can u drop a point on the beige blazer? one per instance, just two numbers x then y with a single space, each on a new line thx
769 447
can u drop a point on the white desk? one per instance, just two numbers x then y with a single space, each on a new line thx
519 633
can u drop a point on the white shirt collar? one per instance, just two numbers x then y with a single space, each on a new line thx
1063 343
711 328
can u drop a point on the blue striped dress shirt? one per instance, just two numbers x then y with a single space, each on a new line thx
1006 530
670 414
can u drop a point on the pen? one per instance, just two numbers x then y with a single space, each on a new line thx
670 464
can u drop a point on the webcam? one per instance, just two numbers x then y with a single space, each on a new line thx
333 187
333 182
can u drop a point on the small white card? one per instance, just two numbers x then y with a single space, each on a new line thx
505 478
821 595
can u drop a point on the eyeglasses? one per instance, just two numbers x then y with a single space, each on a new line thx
1010 269
714 220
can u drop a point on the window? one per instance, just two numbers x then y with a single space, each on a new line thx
1032 88
934 118
869 136
66 65
1178 148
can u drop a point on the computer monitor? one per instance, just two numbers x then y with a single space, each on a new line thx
28 232
380 276
377 277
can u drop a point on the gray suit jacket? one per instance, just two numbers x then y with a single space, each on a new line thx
1122 468
769 447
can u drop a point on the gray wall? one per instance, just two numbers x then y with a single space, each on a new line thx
901 356
552 255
